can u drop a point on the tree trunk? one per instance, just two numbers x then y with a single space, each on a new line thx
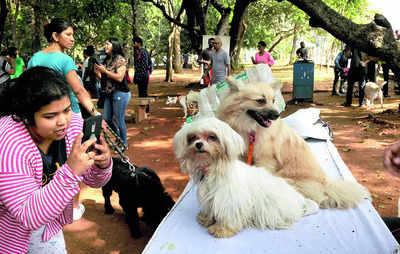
281 38
294 43
223 24
169 69
3 17
239 10
14 24
177 49
236 57
36 45
134 11
375 38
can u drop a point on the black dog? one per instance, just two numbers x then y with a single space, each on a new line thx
139 188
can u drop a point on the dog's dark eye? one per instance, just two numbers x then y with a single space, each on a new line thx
212 138
191 139
261 101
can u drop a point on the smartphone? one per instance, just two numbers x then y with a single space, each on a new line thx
92 128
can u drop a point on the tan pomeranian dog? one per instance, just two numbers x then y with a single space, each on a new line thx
232 194
249 109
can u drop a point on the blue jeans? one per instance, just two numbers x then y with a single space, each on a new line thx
114 107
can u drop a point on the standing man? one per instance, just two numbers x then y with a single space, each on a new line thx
19 62
341 70
302 51
220 63
356 74
143 68
205 60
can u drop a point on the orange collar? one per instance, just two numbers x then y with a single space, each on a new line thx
252 139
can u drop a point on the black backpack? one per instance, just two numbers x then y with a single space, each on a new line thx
4 72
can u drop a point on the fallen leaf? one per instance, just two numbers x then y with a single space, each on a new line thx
346 149
381 206
374 195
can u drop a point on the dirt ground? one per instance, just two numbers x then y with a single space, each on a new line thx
360 136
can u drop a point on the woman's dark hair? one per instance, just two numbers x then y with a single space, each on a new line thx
22 97
262 43
90 50
137 39
12 52
56 25
116 48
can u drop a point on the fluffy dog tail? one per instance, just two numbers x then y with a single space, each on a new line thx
343 194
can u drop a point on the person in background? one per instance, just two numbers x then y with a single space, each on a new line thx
143 66
7 67
302 52
341 70
356 74
89 77
205 60
40 178
391 162
263 56
19 62
112 75
220 63
60 35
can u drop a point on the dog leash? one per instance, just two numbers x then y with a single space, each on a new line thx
252 139
119 147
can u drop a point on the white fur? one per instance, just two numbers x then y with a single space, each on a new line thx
186 101
232 194
373 91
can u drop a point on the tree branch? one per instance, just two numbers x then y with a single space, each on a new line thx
375 38
171 19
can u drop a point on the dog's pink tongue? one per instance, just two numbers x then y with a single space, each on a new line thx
267 123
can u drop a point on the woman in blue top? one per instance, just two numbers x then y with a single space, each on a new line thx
60 35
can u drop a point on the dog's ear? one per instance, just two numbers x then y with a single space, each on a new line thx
234 84
276 85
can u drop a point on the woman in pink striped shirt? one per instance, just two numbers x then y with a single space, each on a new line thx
263 56
42 162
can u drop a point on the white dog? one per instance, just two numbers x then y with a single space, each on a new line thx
187 101
373 91
232 194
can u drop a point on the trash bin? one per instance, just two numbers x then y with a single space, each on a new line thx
303 80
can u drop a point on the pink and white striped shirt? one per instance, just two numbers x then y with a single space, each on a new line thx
24 204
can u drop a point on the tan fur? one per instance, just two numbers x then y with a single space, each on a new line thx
281 150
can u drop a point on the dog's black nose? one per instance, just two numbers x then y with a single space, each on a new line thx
199 145
273 114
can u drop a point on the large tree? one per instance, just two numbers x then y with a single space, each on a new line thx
375 38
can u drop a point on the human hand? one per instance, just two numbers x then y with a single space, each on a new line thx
102 158
100 68
391 159
79 159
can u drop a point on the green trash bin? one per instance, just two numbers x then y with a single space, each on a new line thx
303 81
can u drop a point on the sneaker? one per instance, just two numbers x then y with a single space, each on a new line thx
78 212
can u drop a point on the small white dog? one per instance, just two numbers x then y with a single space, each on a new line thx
373 91
232 194
187 101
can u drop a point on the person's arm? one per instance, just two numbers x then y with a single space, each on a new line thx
253 59
391 159
80 92
228 69
117 76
